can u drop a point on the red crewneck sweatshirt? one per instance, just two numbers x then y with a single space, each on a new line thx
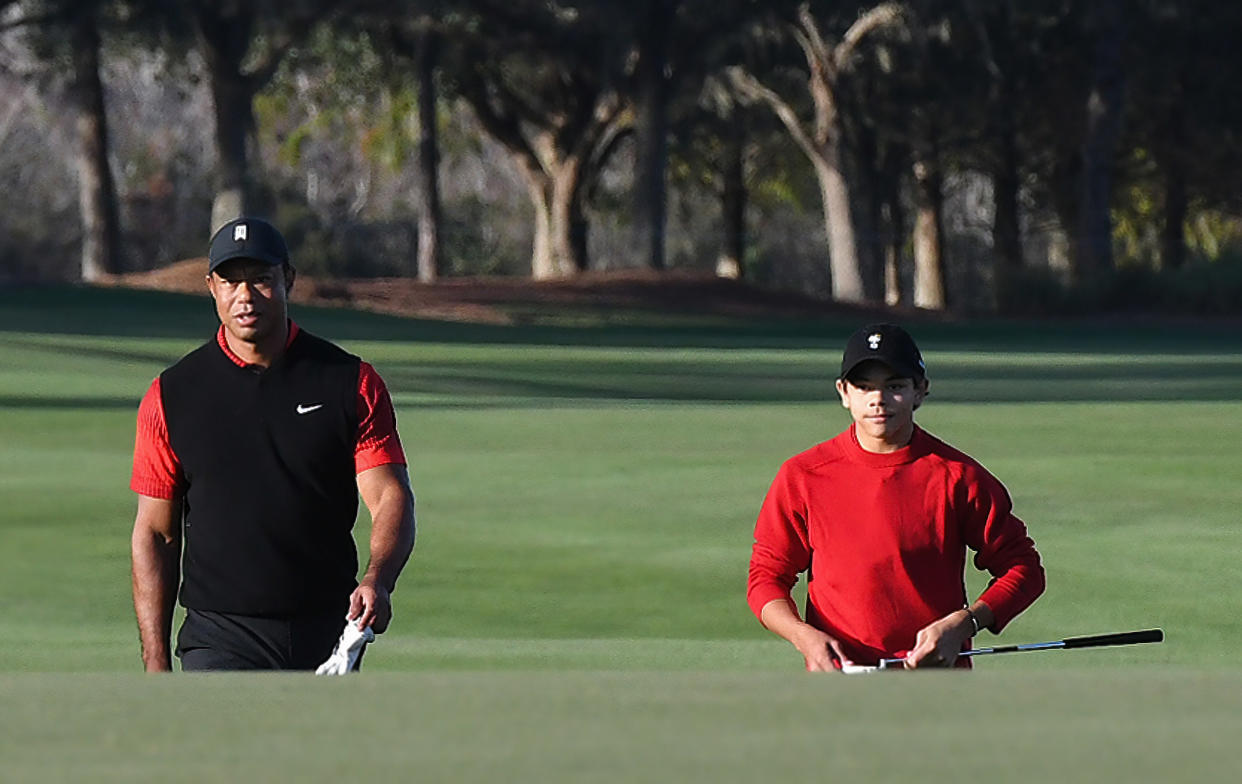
884 537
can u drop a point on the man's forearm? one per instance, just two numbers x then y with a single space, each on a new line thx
156 570
392 536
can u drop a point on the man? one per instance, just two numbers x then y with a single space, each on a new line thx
252 451
880 517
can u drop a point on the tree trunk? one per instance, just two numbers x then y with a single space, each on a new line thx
101 234
1176 200
1103 127
428 158
560 238
1066 198
542 260
1175 208
894 222
1006 231
847 285
929 289
733 205
870 219
225 40
569 227
651 128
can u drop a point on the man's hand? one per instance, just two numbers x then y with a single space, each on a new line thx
939 643
370 605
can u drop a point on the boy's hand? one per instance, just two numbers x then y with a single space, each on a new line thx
939 643
818 649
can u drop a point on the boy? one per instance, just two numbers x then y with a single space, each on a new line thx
880 518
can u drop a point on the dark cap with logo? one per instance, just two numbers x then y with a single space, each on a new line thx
887 343
247 238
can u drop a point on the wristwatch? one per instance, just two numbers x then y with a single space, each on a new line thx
974 621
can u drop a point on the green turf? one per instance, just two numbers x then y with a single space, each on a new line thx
586 498
1139 725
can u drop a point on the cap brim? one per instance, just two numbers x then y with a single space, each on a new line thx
901 371
242 254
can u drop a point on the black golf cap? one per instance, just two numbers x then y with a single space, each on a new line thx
887 343
247 238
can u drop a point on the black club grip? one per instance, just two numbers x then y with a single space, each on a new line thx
1121 638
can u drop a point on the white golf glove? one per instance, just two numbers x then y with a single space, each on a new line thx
347 650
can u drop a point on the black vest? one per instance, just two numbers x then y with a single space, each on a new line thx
272 496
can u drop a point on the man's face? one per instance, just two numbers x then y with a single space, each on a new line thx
882 404
251 297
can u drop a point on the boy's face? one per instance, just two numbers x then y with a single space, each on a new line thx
882 405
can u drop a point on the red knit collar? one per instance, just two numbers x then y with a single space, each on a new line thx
917 447
294 329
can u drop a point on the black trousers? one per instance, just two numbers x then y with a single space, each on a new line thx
224 641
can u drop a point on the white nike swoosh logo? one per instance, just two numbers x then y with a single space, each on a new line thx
307 409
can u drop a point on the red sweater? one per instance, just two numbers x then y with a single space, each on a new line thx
884 537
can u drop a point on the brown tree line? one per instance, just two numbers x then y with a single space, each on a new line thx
1090 136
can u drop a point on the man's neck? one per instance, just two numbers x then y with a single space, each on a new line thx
262 353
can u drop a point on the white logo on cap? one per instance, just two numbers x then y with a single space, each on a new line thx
873 340
239 233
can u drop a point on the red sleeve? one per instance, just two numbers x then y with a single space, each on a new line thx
1004 550
378 442
782 548
157 471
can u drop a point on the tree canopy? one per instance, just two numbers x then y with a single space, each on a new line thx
975 156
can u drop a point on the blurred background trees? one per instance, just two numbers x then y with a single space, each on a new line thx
970 155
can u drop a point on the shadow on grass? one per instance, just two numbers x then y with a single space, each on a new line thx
83 310
1049 362
802 383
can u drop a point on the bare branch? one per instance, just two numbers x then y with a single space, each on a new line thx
35 20
985 43
880 16
502 126
751 89
812 42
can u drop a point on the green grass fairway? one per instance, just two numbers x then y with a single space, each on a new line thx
575 608
1132 725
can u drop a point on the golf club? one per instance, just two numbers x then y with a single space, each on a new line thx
1088 641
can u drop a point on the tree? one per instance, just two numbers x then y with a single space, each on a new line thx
547 83
1005 53
821 138
1179 140
1103 115
418 39
101 222
655 21
65 36
242 44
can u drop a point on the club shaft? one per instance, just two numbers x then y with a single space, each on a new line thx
1030 646
1089 641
